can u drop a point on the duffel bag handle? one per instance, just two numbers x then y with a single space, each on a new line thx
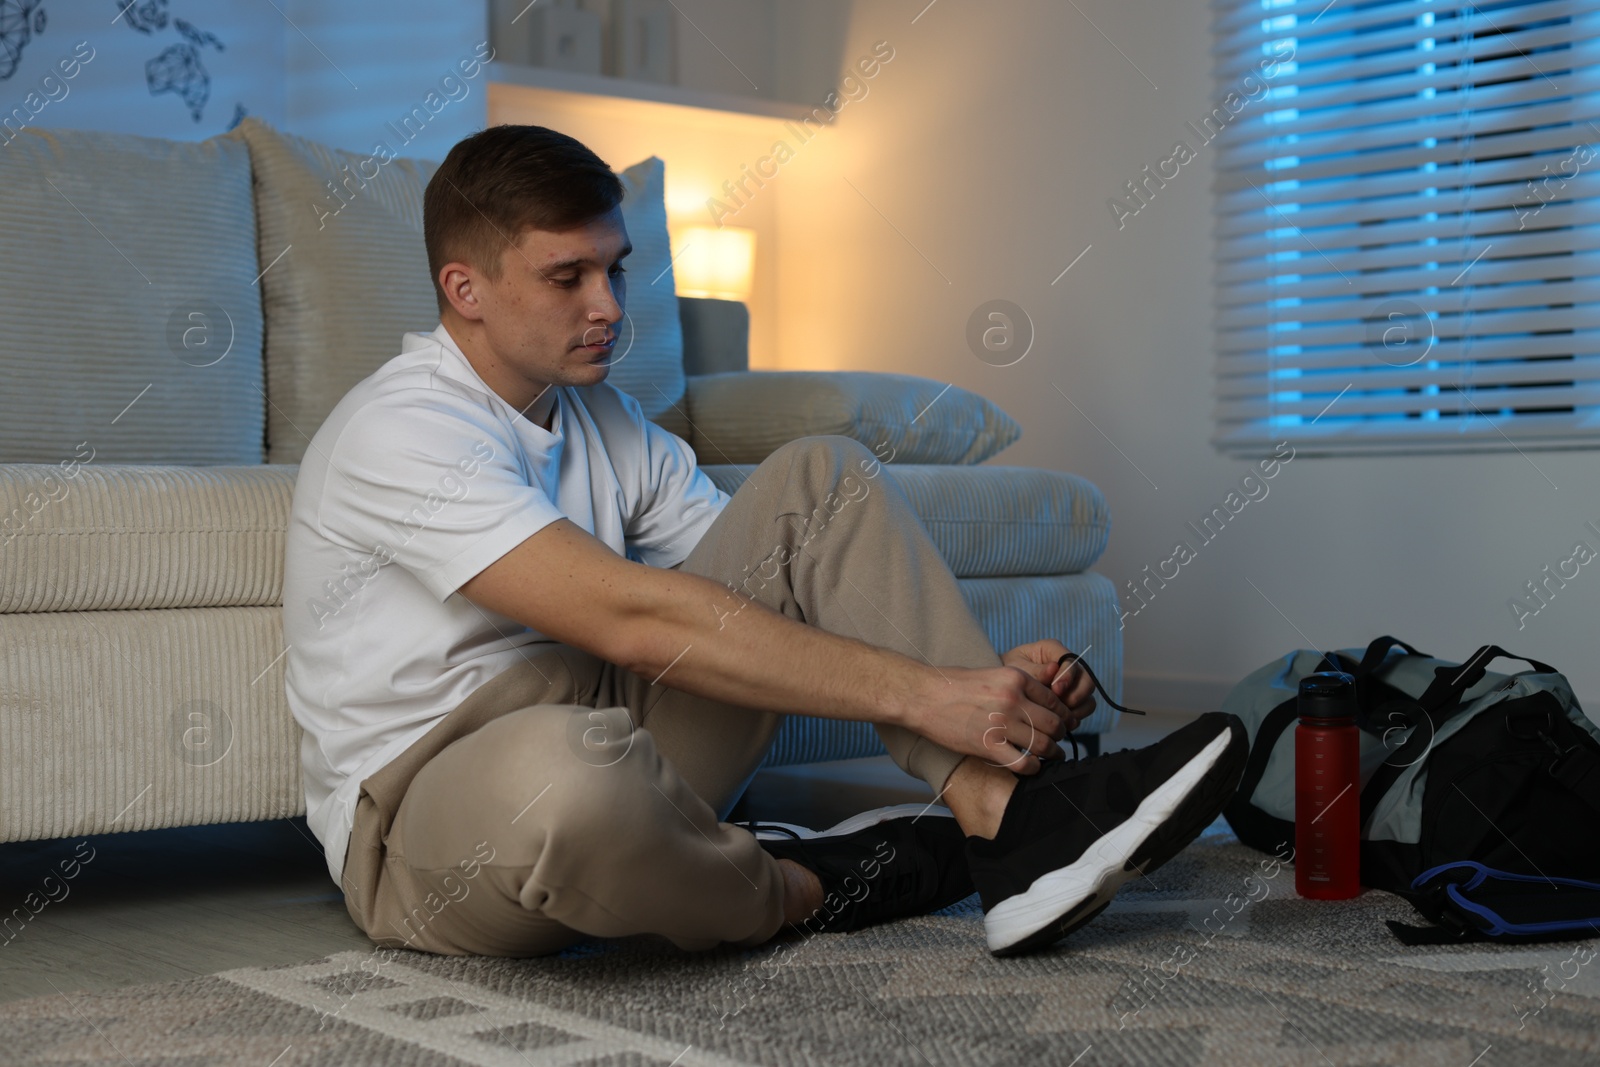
1376 653
1451 683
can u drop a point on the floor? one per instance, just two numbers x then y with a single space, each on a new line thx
171 904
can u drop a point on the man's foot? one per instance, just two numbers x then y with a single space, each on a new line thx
883 864
1072 834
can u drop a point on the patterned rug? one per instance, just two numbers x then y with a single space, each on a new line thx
1212 960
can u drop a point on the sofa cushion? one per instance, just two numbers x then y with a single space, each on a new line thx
651 368
994 522
742 417
347 277
132 327
78 536
344 278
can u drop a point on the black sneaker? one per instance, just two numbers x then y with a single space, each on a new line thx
1074 832
882 864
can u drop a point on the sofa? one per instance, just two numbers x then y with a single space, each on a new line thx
181 317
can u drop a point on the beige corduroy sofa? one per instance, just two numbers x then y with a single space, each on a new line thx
180 316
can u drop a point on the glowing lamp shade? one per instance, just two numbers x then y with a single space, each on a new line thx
715 261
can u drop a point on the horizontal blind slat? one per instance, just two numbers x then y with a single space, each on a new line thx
1577 110
1395 25
1352 403
1475 433
1451 272
1553 218
1533 349
1478 301
1479 323
1409 81
1460 375
1407 254
1537 40
1444 172
1368 213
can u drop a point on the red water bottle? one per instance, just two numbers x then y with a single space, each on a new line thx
1327 789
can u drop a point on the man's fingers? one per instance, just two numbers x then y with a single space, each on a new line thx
1083 689
1044 672
1002 753
1041 694
1073 681
1015 743
1047 713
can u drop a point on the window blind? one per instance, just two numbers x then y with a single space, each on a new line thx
1407 224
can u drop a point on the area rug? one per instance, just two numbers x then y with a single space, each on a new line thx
1212 960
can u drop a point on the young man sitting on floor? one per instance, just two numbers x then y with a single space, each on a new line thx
549 676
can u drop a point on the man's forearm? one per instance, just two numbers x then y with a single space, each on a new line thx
691 633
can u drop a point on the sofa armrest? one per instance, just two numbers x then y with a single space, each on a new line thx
742 417
716 335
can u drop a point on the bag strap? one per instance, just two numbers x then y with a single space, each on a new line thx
1378 651
1368 705
1451 683
1272 727
1407 934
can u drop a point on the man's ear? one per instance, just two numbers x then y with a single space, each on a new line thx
458 281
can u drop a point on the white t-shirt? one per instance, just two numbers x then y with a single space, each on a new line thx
420 478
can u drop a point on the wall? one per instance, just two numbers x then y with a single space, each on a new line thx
183 69
786 51
978 168
356 69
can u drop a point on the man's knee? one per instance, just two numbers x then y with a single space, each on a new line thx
833 452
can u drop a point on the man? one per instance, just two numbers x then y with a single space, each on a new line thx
537 654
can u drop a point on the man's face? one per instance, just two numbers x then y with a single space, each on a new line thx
554 314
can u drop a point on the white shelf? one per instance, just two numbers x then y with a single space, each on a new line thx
649 92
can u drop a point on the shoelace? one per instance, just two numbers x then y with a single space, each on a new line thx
756 826
1081 662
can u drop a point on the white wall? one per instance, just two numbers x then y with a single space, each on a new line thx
241 69
356 68
991 143
337 72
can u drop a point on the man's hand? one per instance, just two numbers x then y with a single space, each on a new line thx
1072 683
1002 715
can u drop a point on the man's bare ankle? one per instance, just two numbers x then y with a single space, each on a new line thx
802 891
977 793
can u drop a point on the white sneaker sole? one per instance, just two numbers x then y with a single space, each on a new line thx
1096 876
855 822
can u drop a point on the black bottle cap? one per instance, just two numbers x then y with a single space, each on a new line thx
1327 695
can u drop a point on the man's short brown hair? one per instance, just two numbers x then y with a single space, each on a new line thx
497 184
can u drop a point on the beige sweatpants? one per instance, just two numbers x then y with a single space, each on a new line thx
567 797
